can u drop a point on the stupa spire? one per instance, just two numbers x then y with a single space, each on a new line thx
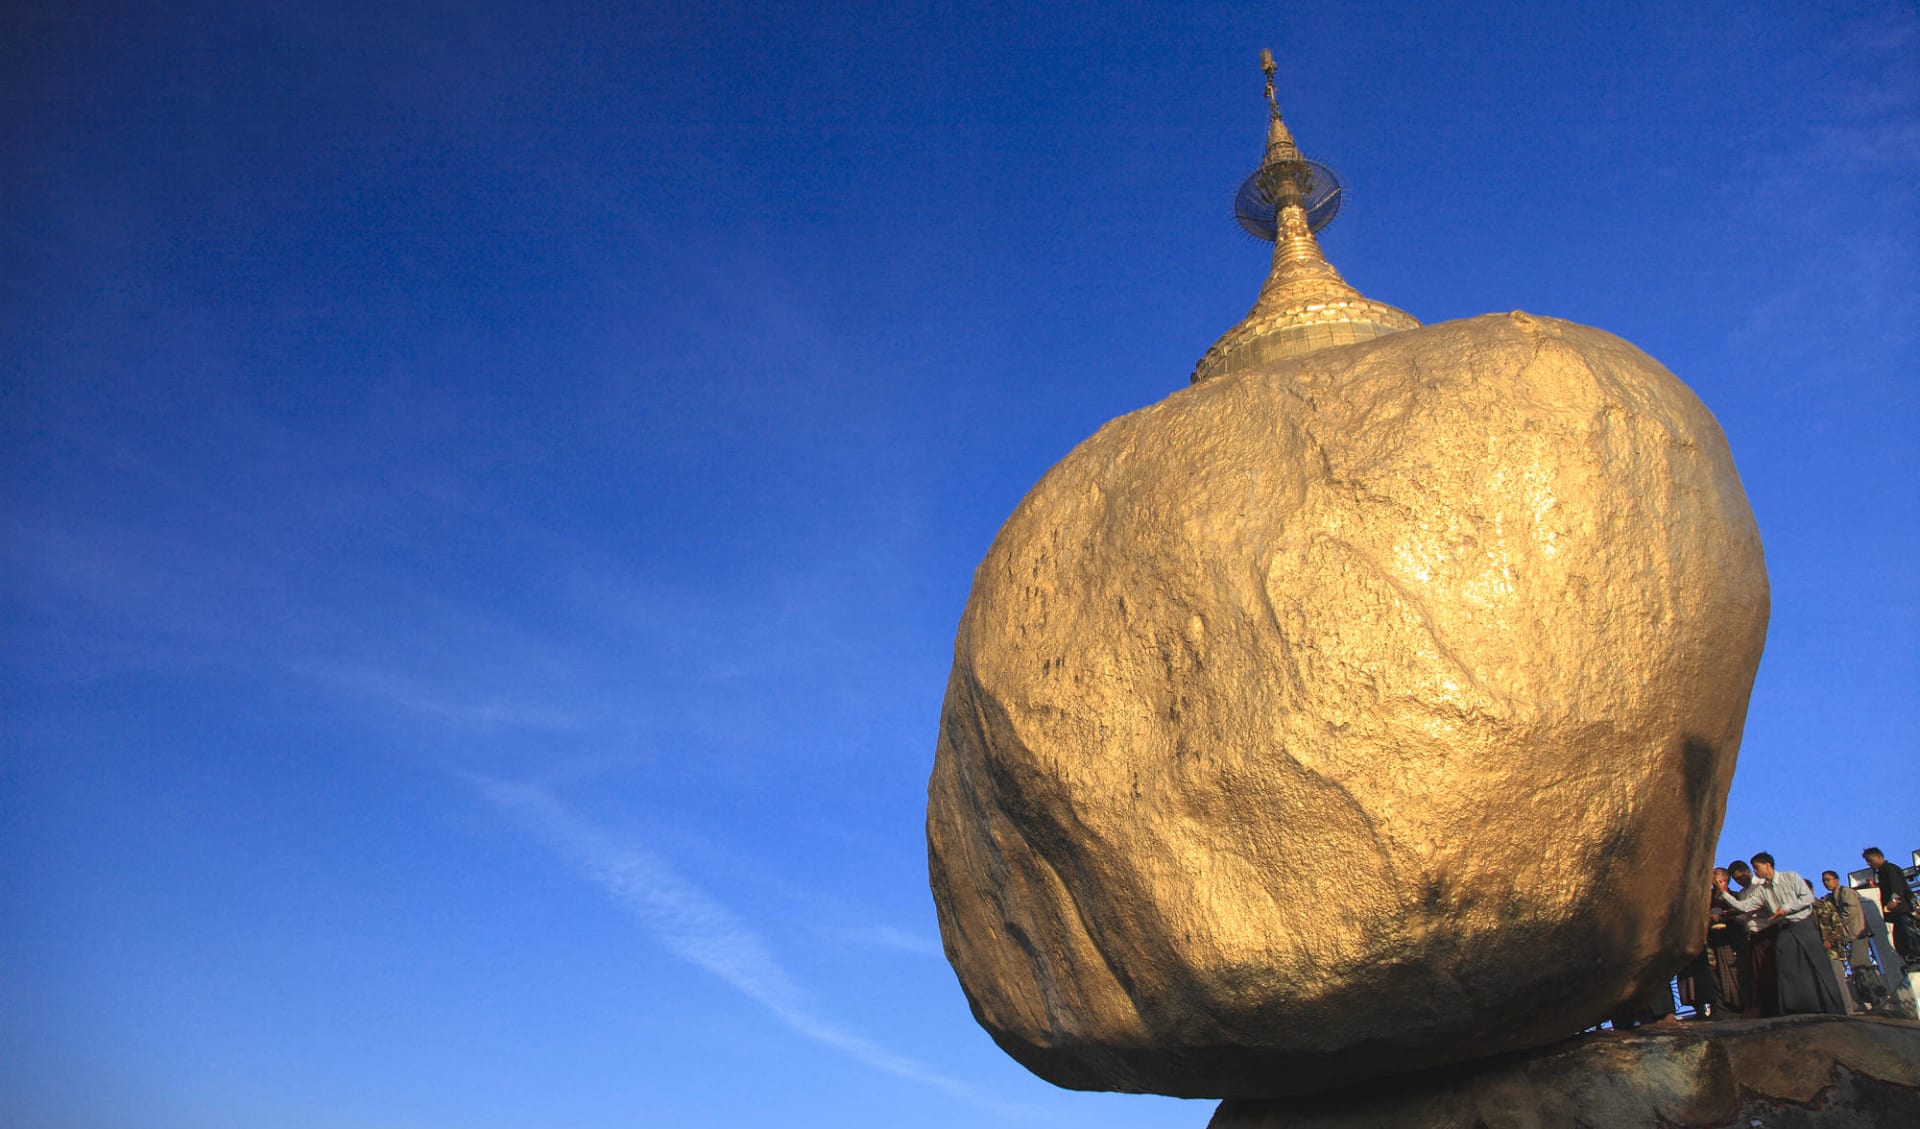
1280 146
1304 304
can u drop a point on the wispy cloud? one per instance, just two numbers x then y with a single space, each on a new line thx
884 937
1850 164
486 713
700 930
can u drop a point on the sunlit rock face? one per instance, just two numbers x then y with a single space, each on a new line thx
1367 712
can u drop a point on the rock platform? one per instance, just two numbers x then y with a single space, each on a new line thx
1795 1072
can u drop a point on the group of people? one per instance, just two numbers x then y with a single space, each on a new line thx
1775 948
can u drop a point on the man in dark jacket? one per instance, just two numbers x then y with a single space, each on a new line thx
1896 902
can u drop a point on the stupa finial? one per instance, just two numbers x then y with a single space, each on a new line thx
1280 146
1305 304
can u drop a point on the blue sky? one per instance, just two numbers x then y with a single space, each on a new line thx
488 489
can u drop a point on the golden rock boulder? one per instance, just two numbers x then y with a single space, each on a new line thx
1365 711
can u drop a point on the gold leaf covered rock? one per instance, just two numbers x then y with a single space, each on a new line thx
1362 711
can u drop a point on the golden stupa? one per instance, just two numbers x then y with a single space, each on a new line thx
1368 706
1305 304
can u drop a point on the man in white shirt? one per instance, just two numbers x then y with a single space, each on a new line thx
1782 902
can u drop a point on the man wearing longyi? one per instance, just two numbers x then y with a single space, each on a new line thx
1783 903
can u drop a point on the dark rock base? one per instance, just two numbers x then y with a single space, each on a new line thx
1798 1071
